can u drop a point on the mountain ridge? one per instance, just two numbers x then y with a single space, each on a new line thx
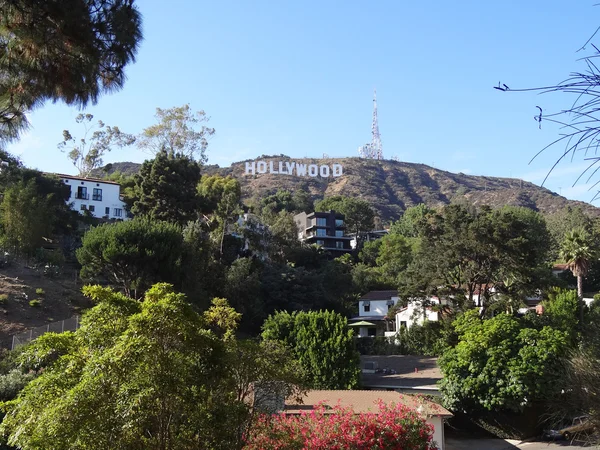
390 186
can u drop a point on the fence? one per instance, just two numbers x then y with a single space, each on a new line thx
70 324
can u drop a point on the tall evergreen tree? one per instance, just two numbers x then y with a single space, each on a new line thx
68 50
166 188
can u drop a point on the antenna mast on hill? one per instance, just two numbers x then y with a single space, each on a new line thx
373 150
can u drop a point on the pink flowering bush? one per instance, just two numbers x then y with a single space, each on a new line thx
394 427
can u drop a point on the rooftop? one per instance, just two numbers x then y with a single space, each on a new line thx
93 180
379 295
363 401
426 376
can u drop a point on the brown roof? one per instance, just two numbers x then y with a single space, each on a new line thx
426 375
379 295
363 401
560 267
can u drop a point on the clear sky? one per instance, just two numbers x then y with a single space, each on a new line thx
297 78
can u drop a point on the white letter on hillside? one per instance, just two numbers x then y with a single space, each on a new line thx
250 167
313 170
290 167
261 167
271 170
281 167
324 171
337 170
301 170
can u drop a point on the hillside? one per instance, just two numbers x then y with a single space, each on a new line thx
393 186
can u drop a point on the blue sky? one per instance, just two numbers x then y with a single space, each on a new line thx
297 78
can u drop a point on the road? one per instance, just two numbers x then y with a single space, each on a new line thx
500 444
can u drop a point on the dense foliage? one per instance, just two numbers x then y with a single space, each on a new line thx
147 375
322 343
499 364
68 50
165 188
134 254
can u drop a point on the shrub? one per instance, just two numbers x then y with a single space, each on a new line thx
40 291
35 303
3 298
394 427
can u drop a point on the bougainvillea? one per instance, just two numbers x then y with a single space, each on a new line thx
393 427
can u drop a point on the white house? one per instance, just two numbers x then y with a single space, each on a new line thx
100 197
373 308
415 313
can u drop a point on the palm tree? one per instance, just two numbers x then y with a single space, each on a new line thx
576 251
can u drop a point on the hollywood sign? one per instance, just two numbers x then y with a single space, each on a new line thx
294 168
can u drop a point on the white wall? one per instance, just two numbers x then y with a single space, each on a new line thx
110 198
438 431
413 313
377 307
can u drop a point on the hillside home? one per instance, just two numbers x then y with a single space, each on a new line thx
325 229
101 198
366 401
372 318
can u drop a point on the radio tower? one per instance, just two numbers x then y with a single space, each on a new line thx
373 150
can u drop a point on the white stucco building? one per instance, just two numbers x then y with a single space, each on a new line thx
373 310
100 197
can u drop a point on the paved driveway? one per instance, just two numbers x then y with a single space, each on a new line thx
501 444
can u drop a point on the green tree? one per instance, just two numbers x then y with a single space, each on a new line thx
413 221
322 343
86 152
69 51
166 188
221 197
562 222
143 375
499 365
477 250
133 254
27 217
394 256
177 132
576 251
562 309
358 213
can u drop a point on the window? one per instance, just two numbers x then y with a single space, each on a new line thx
97 194
92 208
339 245
390 303
366 306
339 223
320 242
372 332
81 193
321 232
107 210
118 212
339 233
83 207
403 324
321 222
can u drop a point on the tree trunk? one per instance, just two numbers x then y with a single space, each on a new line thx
580 296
